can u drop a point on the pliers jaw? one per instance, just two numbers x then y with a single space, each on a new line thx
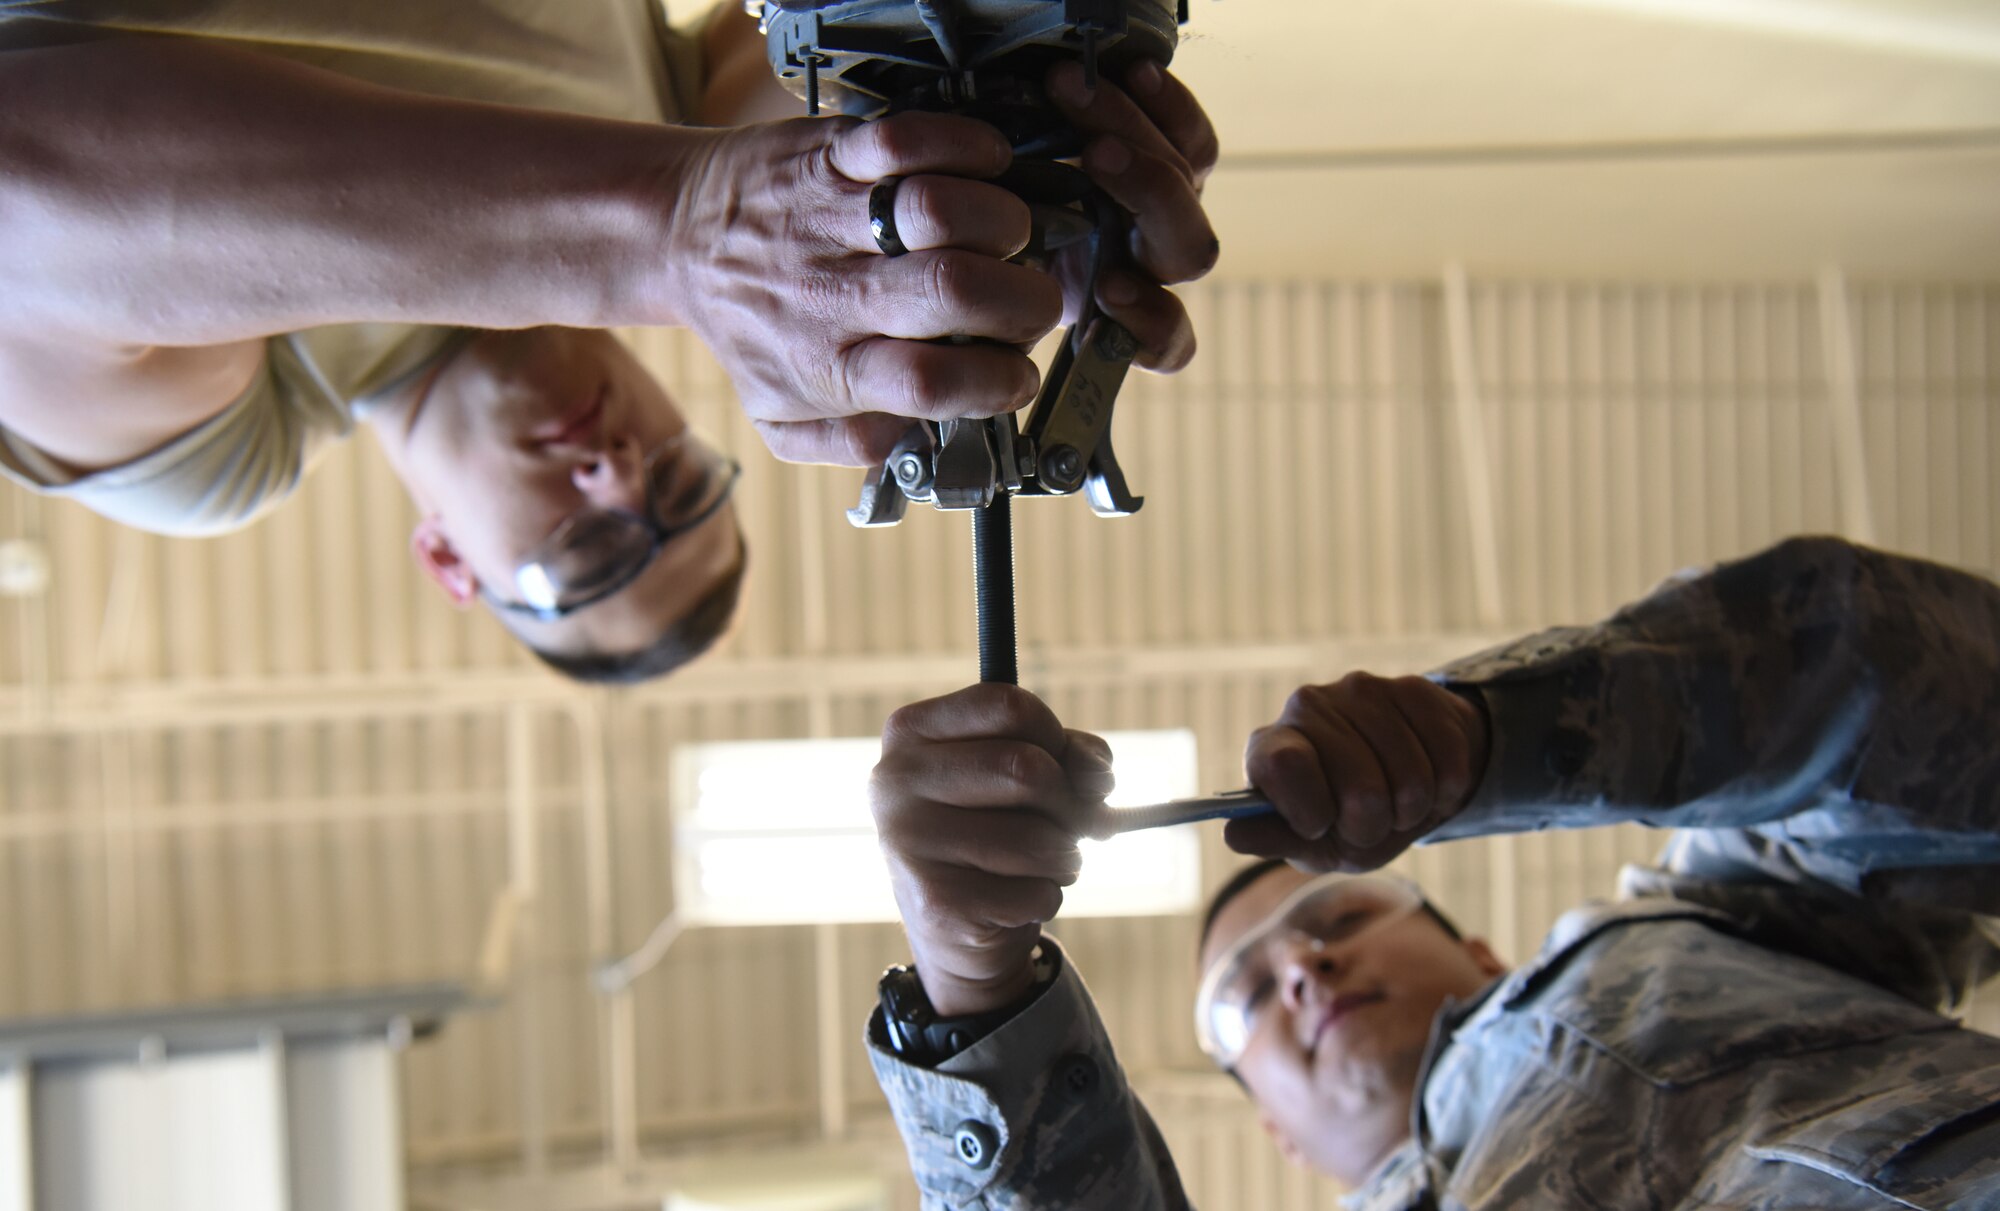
1064 448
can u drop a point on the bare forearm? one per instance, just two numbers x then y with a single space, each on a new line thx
161 192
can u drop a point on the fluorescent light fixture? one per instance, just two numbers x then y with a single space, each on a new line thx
822 1195
778 832
781 1180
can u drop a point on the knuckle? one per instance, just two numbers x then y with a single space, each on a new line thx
1028 769
822 291
1013 214
924 381
1308 702
923 210
944 280
1357 687
886 805
894 140
854 444
1051 859
844 380
1202 150
1017 709
1208 251
843 444
1047 305
1048 900
1290 761
903 725
975 935
1412 686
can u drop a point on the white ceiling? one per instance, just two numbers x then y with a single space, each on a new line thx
1387 137
1485 96
1291 74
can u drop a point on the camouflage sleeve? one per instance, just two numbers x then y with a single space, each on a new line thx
1840 704
1037 1114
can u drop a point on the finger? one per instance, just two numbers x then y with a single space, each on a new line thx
1154 317
1171 235
845 441
1174 111
1017 844
915 142
1371 711
1086 750
1107 110
1268 837
1360 788
935 381
949 292
1356 858
952 212
1264 837
971 905
977 712
1286 766
967 916
983 773
1087 763
1434 714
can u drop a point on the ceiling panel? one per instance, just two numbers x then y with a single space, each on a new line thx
1390 73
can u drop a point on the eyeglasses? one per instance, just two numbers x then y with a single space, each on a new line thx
1237 991
595 552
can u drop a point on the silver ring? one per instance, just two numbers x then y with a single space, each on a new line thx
882 216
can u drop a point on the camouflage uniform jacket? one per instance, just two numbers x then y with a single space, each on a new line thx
1752 1025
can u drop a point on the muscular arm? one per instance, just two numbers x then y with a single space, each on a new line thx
165 203
168 192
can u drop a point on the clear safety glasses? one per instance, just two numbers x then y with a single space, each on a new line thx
1241 985
595 552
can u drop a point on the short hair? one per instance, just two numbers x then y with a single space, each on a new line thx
683 639
1243 878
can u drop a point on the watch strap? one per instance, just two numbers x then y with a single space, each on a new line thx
919 1036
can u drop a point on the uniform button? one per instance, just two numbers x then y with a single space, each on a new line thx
1566 753
1078 1074
975 1143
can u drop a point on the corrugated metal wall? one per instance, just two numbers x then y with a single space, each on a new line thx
278 761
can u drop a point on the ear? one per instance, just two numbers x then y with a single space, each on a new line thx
1483 955
1286 1146
442 563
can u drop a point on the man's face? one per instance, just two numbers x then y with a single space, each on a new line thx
520 431
1333 1057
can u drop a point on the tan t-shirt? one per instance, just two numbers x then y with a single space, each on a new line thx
600 58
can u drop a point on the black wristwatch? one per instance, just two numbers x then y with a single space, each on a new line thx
916 1032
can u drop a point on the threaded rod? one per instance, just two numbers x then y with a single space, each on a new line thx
993 589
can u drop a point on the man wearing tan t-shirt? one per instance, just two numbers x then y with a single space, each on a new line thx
230 231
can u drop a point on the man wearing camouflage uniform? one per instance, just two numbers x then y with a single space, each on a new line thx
1756 1023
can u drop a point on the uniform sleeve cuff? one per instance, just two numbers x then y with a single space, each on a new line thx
963 1121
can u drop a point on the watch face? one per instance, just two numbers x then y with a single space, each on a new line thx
903 1001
